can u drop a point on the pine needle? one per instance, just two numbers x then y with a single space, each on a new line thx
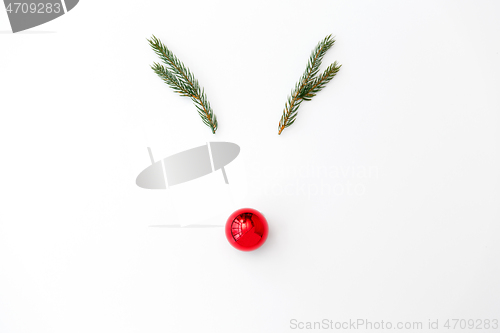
310 83
178 77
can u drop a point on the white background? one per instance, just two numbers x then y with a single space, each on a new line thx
411 123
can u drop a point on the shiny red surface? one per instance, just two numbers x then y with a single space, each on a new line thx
246 229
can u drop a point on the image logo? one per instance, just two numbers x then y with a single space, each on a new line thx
28 14
188 165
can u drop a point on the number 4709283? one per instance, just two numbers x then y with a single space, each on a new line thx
39 8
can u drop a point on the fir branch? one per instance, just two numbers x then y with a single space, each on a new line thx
178 77
309 84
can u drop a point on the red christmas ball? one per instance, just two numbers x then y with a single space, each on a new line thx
246 229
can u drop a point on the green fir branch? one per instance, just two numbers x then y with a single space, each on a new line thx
309 84
178 77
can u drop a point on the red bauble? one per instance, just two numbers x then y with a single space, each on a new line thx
246 229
